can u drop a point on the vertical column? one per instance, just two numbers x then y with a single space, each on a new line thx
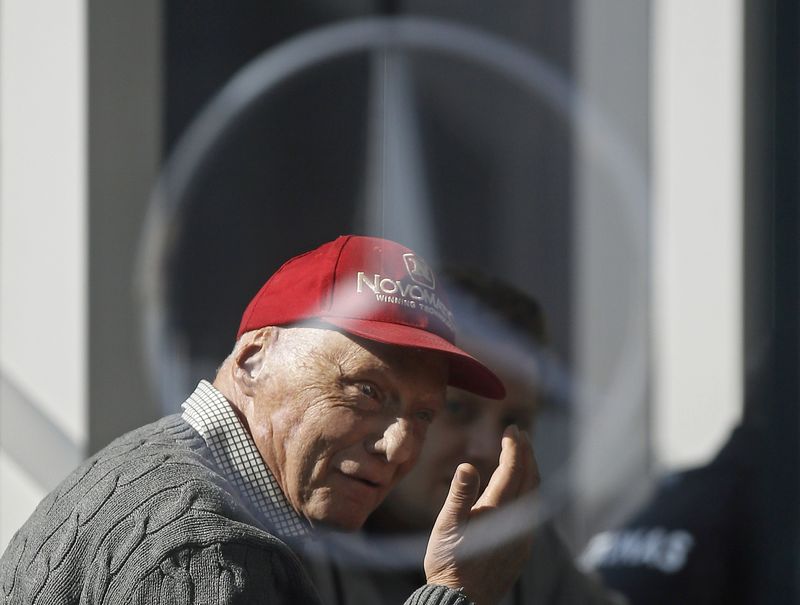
124 147
43 250
697 227
611 461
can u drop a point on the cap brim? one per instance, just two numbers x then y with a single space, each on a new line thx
466 372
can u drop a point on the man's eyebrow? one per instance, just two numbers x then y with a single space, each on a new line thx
352 364
367 372
374 370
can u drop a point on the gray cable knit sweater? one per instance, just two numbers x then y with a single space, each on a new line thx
150 519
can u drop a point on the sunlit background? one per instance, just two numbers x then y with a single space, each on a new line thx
631 164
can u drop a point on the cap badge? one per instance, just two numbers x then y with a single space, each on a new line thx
419 270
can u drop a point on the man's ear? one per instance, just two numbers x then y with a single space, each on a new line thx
250 359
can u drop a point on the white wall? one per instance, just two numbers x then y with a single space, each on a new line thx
697 136
42 233
43 196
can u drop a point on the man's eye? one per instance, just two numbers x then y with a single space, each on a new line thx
370 390
460 412
425 415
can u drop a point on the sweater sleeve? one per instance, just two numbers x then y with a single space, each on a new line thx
226 573
433 594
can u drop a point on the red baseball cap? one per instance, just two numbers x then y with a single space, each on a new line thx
373 288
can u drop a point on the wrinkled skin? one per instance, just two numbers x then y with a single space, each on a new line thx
338 420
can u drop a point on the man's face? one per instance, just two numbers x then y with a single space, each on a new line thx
469 429
339 420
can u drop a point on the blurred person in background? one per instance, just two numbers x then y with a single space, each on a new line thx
695 541
506 328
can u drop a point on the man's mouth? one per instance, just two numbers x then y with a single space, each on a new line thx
370 482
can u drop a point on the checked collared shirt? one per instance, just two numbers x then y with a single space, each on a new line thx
209 413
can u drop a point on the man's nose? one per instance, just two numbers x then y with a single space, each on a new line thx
398 442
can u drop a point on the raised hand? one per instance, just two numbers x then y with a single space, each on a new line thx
473 546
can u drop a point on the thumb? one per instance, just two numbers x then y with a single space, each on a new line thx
462 495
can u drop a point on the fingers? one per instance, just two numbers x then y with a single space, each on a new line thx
507 478
516 473
463 491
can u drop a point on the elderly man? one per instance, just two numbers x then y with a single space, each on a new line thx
340 365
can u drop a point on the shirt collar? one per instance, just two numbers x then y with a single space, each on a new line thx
209 413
